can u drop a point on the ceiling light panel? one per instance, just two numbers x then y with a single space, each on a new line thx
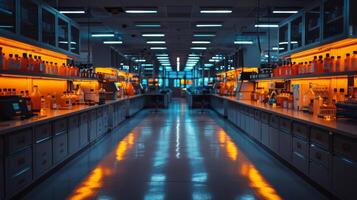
155 42
208 25
153 35
204 35
113 42
141 11
201 42
215 11
102 35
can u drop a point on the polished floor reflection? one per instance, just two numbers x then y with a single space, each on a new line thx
176 153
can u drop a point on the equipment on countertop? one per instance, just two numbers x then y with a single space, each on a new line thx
12 107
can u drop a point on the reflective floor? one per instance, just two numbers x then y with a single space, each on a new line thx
175 154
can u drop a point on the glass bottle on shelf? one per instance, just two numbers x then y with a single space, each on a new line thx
42 67
11 62
320 65
354 61
31 63
54 104
17 62
24 62
314 65
48 101
341 95
36 99
338 65
13 92
348 62
36 64
47 68
1 59
327 64
55 67
333 64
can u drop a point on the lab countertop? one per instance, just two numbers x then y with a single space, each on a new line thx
49 115
345 127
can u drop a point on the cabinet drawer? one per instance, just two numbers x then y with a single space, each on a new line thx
285 125
265 117
257 114
265 134
347 147
285 146
274 121
18 162
59 148
300 147
320 137
83 134
73 140
84 118
1 146
19 140
300 163
344 176
320 174
2 179
300 130
42 132
42 157
15 184
60 126
320 156
274 139
73 122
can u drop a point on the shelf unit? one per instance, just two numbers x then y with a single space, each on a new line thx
14 74
311 76
322 24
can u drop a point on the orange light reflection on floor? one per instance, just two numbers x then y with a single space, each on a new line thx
124 146
256 181
89 188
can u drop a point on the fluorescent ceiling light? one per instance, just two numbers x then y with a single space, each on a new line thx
243 42
201 42
155 42
178 64
113 42
140 11
208 25
192 54
72 11
285 11
166 64
162 54
203 35
277 48
158 48
208 65
162 58
148 25
193 57
153 35
213 60
140 60
65 42
198 48
217 11
266 26
102 35
149 69
147 65
6 26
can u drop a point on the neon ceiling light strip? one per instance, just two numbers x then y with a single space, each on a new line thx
113 42
203 35
201 42
216 11
155 42
153 35
148 25
158 48
243 42
102 35
198 48
285 11
72 11
140 11
266 26
208 25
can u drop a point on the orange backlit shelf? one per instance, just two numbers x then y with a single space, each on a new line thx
339 48
313 76
19 74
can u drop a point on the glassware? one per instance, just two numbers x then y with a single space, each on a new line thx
36 99
348 62
327 64
354 61
24 62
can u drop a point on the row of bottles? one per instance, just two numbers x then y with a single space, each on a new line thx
34 64
37 102
318 65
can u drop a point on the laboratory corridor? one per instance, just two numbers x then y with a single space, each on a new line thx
175 153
